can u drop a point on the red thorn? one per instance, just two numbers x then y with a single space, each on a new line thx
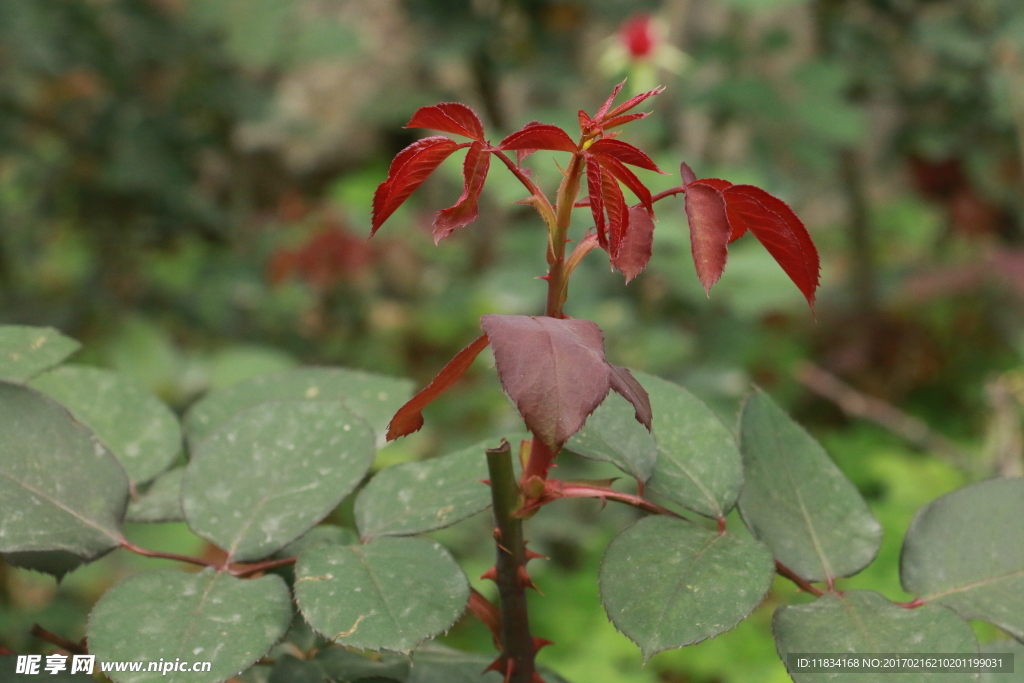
544 277
525 580
497 665
490 575
485 482
539 643
536 678
530 555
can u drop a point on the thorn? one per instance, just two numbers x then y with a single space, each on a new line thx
539 643
490 575
544 277
496 665
524 579
530 555
485 482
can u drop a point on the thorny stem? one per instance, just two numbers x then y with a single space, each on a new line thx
517 645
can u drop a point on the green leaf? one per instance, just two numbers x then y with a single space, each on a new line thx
392 593
133 424
61 489
698 465
417 497
374 398
612 434
206 617
865 622
161 502
667 583
56 563
966 551
321 533
1001 647
267 475
318 535
346 665
27 351
797 501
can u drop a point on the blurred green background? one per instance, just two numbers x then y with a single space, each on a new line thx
185 187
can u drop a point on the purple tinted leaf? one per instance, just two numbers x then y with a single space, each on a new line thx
554 370
625 385
709 231
686 174
635 251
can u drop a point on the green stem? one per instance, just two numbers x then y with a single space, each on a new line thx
567 192
518 649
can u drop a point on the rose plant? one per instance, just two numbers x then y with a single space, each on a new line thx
82 450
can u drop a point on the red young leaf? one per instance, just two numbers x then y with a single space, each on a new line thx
408 171
595 178
381 194
523 153
409 417
449 117
586 123
618 213
539 136
780 231
626 386
627 178
599 116
632 102
624 152
635 250
709 231
686 174
625 118
464 212
554 370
